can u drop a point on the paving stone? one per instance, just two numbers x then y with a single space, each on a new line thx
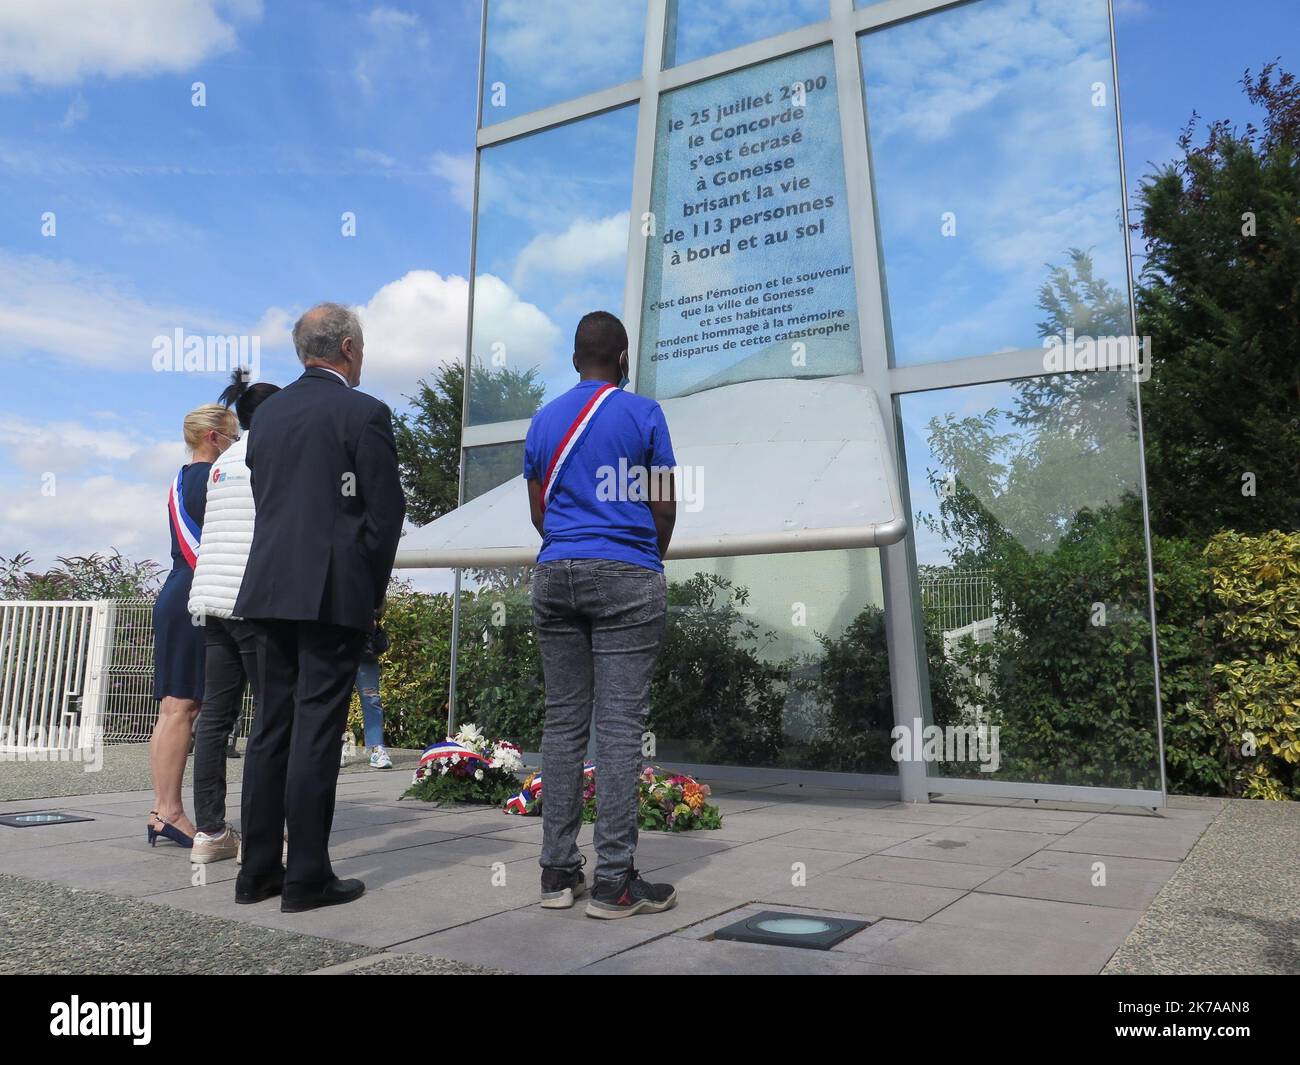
879 898
858 844
748 871
919 871
930 947
1059 921
1130 883
1018 819
973 846
679 958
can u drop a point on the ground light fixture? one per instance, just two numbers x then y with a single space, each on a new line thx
775 928
39 818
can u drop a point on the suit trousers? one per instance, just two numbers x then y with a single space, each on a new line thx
306 670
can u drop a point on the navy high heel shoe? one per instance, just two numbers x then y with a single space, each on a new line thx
168 831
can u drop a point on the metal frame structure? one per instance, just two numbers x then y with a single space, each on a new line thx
841 29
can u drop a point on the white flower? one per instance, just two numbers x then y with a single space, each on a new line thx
506 758
478 774
470 735
455 759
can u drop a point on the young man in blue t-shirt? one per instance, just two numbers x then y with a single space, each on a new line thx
599 464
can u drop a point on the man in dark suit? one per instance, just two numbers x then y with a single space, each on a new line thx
329 514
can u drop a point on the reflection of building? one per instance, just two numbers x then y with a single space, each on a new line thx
862 194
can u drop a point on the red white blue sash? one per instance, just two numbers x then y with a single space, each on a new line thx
571 438
187 530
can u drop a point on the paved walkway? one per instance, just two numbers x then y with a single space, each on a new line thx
958 887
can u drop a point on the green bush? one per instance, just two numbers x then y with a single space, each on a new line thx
1069 671
1256 711
713 698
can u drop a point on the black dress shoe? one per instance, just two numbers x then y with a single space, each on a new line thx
335 892
250 889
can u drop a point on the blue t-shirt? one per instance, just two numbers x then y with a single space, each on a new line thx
598 508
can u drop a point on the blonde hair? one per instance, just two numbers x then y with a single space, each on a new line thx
210 416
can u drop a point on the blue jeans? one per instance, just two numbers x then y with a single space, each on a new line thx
372 710
600 625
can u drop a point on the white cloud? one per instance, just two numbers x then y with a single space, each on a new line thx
56 308
458 172
374 157
77 112
392 39
542 43
417 323
108 489
64 42
83 516
588 244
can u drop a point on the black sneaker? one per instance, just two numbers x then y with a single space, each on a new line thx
562 887
612 899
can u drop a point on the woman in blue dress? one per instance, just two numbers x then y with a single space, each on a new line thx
177 641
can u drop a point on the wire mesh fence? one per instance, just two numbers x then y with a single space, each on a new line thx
129 706
956 599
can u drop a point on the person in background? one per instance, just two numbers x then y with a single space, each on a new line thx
599 608
231 655
178 652
329 516
372 708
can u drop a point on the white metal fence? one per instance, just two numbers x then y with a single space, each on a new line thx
70 669
52 661
957 598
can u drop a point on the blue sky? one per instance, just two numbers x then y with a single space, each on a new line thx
226 219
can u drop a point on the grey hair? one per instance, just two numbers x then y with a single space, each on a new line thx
319 333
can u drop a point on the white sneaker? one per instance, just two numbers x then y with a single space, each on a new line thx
379 759
225 844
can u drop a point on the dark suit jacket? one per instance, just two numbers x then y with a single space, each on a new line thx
329 503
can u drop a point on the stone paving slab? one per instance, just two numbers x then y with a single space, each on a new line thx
918 871
1062 876
973 846
851 894
855 843
671 957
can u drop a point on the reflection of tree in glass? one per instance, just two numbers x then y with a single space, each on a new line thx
429 438
1067 443
1040 500
501 394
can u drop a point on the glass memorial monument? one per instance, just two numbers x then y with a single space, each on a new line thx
873 261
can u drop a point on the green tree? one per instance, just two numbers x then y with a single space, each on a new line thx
1220 300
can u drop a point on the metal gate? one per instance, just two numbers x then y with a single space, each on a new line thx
52 659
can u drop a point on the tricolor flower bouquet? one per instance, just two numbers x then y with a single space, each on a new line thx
467 768
666 801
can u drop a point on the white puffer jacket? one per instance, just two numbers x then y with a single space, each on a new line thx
227 535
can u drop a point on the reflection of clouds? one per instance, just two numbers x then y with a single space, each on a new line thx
986 111
553 220
706 27
546 51
588 244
